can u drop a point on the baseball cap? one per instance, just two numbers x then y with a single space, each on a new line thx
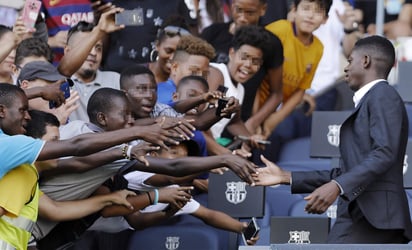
39 70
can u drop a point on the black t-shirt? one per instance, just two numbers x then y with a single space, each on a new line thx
133 44
219 37
392 10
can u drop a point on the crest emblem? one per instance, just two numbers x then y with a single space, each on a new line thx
172 242
235 192
333 135
405 165
299 237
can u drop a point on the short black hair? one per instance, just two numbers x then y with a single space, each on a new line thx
134 71
187 79
36 127
253 35
324 4
101 101
32 47
381 50
81 26
8 93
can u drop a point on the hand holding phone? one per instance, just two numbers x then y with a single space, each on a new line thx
251 231
133 17
65 87
30 12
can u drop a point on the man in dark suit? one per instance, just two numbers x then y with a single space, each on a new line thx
372 205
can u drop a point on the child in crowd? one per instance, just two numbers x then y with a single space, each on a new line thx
144 181
302 53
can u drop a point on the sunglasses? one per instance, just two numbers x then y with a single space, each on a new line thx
172 31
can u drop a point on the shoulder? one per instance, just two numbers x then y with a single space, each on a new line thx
215 29
164 109
279 26
73 128
216 77
108 79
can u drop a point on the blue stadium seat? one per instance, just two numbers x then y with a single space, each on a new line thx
280 200
298 210
296 150
408 107
182 237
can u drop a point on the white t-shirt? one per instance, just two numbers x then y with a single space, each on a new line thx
237 91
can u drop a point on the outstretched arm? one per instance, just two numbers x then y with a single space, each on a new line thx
70 210
191 165
271 103
89 143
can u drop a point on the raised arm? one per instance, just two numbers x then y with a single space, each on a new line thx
76 54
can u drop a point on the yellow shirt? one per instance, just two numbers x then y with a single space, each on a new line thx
300 61
19 193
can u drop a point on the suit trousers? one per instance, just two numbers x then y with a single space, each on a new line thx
351 227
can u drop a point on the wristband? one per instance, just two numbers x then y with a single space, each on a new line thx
124 151
156 198
129 151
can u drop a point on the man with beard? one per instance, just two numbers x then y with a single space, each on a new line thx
88 78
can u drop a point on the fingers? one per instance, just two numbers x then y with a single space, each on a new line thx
143 160
265 161
315 205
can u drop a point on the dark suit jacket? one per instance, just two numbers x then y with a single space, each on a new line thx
373 142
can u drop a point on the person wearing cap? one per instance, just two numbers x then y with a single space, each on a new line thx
43 74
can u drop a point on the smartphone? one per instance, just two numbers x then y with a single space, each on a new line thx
251 231
133 17
222 89
221 104
65 87
246 138
30 12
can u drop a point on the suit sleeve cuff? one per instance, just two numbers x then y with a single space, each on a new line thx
340 187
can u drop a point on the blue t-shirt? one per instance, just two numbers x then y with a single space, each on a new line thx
16 150
165 92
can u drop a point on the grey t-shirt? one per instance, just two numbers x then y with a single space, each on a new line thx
104 79
73 186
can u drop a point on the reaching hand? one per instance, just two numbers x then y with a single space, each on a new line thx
310 100
139 151
63 112
158 135
180 125
272 174
320 199
52 92
120 198
243 151
177 196
20 30
240 166
212 95
232 107
107 20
